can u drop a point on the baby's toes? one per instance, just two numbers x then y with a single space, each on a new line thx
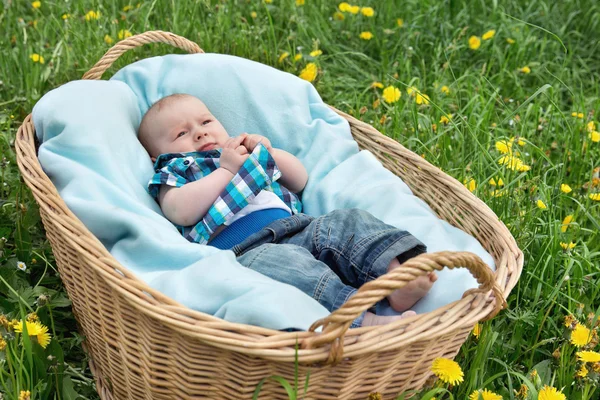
433 277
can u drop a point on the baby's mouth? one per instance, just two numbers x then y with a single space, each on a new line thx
208 146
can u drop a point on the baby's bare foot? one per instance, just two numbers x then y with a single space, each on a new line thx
373 319
406 297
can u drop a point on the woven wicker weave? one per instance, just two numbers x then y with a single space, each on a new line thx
144 345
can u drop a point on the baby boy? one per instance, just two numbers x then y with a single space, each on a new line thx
328 257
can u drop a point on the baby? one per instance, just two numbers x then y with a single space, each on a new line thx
245 199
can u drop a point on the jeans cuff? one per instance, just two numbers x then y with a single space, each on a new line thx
404 247
357 323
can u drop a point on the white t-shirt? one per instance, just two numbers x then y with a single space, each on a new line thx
263 200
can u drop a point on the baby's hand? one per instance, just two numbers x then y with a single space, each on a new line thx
234 154
252 140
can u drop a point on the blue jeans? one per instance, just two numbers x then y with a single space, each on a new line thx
328 257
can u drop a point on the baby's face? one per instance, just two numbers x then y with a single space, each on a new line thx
183 125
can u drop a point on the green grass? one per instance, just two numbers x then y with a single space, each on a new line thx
490 99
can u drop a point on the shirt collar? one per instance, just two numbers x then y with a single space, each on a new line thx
163 159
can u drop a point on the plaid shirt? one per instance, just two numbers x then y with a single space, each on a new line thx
258 172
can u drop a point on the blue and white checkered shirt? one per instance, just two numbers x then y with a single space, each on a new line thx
259 172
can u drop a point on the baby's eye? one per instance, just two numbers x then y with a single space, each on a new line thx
206 122
180 134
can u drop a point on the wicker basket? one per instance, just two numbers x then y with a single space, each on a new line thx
144 345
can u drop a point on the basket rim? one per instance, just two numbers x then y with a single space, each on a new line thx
263 342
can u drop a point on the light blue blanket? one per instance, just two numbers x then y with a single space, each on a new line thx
91 152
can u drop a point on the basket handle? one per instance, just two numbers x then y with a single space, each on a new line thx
136 41
337 323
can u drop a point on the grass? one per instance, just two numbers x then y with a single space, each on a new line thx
490 98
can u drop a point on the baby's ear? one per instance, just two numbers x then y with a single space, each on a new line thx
153 159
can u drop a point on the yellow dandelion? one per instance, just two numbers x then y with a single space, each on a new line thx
268 1
283 56
377 85
591 126
366 35
523 392
24 395
594 136
123 33
489 34
503 146
499 182
400 22
354 9
66 16
477 330
316 53
525 70
577 115
551 393
107 39
298 57
445 119
588 356
309 73
376 103
594 196
299 3
422 98
485 395
253 14
344 7
37 329
510 41
565 188
582 372
567 246
127 8
569 320
36 4
445 89
447 370
91 15
541 204
580 336
565 224
391 94
514 163
470 184
474 42
2 344
338 16
367 11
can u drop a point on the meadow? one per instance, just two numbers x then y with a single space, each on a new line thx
502 95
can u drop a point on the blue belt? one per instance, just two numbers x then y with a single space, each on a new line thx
247 225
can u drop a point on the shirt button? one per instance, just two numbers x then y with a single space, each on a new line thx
157 170
186 162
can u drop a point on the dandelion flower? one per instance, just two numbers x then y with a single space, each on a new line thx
488 35
107 39
422 98
474 42
445 119
299 3
565 188
510 41
283 56
595 136
298 57
591 126
338 16
577 115
595 196
485 395
309 73
123 33
2 344
316 53
36 4
66 16
582 372
391 94
565 224
344 7
503 146
253 14
354 10
471 184
400 22
588 356
477 330
21 265
366 35
24 395
514 163
445 89
493 182
376 103
569 320
580 336
127 8
525 70
567 246
541 204
37 329
377 85
551 393
91 15
36 58
447 370
367 11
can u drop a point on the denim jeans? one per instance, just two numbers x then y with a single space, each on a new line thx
328 257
